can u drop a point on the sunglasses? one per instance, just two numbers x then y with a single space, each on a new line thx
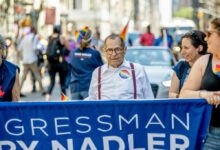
209 33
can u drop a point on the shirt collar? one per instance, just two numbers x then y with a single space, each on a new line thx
124 64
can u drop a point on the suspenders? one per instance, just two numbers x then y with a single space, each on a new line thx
99 82
133 78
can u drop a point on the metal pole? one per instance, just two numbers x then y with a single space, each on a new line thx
195 4
136 13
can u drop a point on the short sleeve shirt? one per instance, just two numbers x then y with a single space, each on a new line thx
182 69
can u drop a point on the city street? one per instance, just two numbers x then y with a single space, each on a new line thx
142 74
37 96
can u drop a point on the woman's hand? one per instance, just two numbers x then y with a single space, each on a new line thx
211 97
16 88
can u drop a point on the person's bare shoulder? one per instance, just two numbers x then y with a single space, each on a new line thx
201 63
203 60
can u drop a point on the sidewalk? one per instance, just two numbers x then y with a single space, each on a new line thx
37 96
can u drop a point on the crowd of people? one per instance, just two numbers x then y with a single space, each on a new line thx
149 39
80 67
72 60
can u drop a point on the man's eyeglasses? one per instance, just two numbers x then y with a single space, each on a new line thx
117 50
209 33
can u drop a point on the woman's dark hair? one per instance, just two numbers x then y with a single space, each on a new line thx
197 38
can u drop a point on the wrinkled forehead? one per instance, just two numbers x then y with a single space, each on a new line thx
113 43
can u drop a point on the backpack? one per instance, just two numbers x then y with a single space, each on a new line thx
55 51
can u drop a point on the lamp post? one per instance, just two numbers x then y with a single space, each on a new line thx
136 13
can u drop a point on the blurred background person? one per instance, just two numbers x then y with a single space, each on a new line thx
165 39
56 53
11 53
40 49
204 82
27 47
97 43
9 77
193 46
71 47
147 39
83 61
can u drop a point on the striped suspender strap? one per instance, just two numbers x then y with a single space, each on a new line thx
134 80
99 83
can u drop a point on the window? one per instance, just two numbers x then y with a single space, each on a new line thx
77 4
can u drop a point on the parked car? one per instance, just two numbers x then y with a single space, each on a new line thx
158 62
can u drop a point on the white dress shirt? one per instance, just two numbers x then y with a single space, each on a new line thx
117 83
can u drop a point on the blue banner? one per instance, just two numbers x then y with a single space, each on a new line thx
104 125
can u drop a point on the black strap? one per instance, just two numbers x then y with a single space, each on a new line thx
133 78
